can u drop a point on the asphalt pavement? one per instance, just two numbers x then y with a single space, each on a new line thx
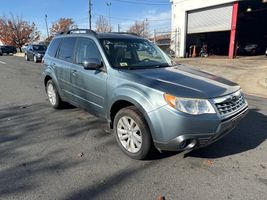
70 154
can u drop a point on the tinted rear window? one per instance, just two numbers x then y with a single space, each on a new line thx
52 50
39 47
66 49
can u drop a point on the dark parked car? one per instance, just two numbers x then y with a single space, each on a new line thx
6 49
146 98
35 52
250 49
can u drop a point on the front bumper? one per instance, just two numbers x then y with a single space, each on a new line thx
196 137
39 57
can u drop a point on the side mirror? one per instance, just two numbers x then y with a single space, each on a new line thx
93 63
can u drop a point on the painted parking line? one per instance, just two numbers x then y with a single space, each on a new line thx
2 62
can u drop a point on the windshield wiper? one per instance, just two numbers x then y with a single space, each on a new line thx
162 65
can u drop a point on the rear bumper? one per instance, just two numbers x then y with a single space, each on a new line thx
194 141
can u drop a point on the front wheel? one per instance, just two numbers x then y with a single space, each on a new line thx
53 95
26 57
132 133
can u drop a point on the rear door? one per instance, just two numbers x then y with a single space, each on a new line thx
63 64
88 86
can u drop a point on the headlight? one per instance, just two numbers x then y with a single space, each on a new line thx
190 105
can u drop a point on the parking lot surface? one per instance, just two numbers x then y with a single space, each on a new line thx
70 154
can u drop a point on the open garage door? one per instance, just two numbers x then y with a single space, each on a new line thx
209 30
210 20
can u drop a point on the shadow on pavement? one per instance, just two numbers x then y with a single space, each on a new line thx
32 145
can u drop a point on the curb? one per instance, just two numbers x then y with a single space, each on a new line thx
19 54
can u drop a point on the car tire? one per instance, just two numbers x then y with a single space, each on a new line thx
135 141
53 95
26 57
35 59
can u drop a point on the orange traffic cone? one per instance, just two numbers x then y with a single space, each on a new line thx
194 51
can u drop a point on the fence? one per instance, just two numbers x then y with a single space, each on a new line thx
168 41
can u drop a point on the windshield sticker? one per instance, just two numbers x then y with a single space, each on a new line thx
123 64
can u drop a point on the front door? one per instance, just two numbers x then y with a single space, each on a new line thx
88 86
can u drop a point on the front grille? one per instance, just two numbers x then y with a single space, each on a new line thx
231 103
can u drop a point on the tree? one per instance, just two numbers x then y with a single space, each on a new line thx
140 28
17 32
62 25
35 34
102 25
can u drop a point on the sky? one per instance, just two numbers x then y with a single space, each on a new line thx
123 12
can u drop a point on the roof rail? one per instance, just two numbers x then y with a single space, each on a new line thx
129 33
79 31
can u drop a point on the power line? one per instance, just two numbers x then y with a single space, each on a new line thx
142 2
131 19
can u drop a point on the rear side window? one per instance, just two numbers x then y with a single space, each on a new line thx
52 49
66 49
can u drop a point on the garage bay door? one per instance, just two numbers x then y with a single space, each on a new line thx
213 19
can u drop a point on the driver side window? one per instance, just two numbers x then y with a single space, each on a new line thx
86 50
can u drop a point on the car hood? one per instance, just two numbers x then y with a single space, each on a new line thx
182 81
40 52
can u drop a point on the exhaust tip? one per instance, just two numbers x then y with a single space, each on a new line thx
187 144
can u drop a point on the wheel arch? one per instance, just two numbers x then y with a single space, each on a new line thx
46 79
124 102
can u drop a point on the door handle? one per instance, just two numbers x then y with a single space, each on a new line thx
74 73
53 65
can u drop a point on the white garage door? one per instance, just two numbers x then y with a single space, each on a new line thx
214 19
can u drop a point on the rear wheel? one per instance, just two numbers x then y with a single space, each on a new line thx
53 95
132 133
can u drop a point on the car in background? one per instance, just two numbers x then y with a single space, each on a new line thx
7 49
250 49
35 52
44 43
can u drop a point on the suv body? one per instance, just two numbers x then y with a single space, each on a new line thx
35 52
167 105
5 49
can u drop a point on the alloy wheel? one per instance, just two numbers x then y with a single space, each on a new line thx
129 134
51 93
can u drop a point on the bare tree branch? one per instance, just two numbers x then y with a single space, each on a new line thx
140 28
102 25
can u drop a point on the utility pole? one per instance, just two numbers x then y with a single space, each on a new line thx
46 26
146 28
119 27
108 5
90 14
155 36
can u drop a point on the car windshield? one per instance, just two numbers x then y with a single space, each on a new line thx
39 47
134 53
